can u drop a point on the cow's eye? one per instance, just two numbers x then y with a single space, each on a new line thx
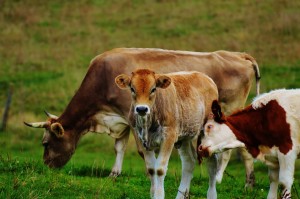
152 90
45 145
132 90
210 127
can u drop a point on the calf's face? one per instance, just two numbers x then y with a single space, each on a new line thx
218 137
142 84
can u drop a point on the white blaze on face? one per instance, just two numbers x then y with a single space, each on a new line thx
218 138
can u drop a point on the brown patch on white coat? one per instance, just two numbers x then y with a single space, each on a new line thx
270 130
168 109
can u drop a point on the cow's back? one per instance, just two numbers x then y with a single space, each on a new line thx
186 102
232 72
289 101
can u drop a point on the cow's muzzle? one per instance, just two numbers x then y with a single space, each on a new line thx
203 151
142 110
146 145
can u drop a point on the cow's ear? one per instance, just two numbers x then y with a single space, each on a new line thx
216 109
122 81
163 81
57 129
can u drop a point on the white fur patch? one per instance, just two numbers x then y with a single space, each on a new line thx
280 95
110 123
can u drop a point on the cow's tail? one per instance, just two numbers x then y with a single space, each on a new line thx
256 71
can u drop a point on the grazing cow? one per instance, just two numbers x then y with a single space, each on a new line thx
167 110
99 106
269 129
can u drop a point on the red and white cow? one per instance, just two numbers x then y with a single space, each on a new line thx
270 130
167 110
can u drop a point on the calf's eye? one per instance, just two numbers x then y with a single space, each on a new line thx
209 127
132 90
153 90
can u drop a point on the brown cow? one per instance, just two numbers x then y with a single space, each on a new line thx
99 106
168 110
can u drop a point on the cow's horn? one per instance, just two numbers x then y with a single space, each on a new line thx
50 115
37 124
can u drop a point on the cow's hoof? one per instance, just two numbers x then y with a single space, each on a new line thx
219 177
250 181
114 174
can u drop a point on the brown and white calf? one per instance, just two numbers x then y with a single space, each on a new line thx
270 130
167 110
99 106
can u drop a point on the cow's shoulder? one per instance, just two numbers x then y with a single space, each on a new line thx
285 98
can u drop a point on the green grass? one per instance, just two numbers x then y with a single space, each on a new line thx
45 49
22 173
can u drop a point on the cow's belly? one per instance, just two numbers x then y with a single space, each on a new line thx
110 123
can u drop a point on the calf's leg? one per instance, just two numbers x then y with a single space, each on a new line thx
222 164
188 160
161 164
273 177
212 163
286 172
149 157
248 162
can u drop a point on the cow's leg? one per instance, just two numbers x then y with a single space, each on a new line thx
223 162
161 164
149 157
286 172
188 159
249 166
273 177
248 162
120 147
212 164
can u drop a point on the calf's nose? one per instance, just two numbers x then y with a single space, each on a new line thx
142 110
203 151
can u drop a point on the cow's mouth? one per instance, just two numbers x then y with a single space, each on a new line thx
146 145
203 151
58 161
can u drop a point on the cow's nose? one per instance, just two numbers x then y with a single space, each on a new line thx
200 148
142 110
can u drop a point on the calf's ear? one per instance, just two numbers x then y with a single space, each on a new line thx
216 109
122 81
163 81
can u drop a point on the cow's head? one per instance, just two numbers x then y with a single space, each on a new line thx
218 137
59 146
143 84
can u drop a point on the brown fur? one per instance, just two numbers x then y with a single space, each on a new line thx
268 127
160 172
151 171
176 112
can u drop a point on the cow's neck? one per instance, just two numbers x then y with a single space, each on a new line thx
149 131
264 126
84 105
243 126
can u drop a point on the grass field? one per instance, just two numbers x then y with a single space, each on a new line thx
46 47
